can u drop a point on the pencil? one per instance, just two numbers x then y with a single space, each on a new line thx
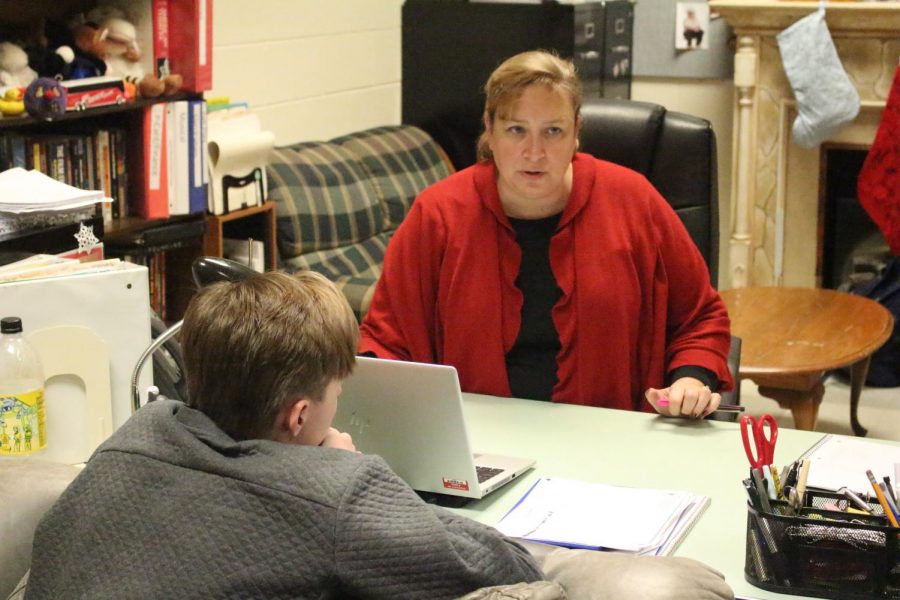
882 500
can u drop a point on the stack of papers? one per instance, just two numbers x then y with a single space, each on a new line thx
42 266
838 461
595 516
24 191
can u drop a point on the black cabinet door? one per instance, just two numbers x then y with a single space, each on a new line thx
450 48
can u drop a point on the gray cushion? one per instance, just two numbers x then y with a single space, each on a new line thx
28 487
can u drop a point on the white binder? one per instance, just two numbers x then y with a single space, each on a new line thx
113 304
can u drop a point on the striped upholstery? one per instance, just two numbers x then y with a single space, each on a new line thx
339 202
354 268
401 161
324 198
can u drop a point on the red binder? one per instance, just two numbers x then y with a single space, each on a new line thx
151 188
190 42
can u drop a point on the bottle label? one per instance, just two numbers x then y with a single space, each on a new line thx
22 423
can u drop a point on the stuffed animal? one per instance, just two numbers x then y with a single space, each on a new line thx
63 52
14 69
45 98
123 54
91 51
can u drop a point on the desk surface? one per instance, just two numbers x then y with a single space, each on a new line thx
633 449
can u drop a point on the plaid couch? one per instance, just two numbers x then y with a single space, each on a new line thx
339 202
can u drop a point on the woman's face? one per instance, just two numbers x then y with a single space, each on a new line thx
533 146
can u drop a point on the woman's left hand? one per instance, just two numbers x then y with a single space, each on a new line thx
686 397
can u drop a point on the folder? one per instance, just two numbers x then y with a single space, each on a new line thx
177 140
596 516
190 43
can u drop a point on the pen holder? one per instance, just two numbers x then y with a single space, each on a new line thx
822 553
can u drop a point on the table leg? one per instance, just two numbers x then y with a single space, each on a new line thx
858 373
803 404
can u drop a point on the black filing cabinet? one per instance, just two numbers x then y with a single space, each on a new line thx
451 47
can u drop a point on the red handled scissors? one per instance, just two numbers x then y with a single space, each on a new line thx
765 446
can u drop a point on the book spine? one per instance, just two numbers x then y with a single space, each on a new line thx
121 160
161 42
17 143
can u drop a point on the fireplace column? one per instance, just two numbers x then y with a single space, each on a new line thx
745 72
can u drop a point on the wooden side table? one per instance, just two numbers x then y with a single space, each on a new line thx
257 222
793 336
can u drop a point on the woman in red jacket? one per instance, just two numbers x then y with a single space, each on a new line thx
545 273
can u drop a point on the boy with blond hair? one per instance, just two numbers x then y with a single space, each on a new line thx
247 490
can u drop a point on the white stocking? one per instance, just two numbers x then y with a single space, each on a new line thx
826 98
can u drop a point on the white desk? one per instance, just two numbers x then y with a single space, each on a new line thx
636 449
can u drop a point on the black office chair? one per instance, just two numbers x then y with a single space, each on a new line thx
676 152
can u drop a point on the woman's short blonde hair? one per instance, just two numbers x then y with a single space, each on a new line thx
252 347
508 81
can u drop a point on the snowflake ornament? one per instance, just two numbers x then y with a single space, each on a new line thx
86 238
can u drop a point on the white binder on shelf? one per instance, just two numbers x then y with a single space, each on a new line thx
114 305
238 149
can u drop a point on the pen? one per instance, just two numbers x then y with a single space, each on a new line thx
777 481
761 491
882 500
890 488
732 408
890 501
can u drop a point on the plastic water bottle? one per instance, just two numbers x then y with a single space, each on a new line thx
22 421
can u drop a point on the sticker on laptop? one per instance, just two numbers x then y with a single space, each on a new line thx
455 484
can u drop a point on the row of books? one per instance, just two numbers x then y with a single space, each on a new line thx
89 161
171 170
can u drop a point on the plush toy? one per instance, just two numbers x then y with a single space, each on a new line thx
65 52
91 51
45 98
123 54
14 69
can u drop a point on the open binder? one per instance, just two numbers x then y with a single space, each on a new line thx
596 516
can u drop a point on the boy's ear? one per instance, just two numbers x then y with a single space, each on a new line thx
292 418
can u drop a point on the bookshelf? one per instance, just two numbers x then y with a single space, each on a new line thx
167 246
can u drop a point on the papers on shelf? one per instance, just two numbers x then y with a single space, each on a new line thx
579 514
839 461
24 191
42 266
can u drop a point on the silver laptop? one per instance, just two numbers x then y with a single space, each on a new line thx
411 415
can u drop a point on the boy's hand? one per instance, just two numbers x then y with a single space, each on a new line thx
338 439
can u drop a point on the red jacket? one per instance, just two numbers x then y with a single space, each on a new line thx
636 299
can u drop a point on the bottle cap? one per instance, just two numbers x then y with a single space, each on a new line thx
11 325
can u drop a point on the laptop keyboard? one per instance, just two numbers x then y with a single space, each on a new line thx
485 473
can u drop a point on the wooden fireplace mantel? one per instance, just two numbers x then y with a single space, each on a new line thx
775 183
844 18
